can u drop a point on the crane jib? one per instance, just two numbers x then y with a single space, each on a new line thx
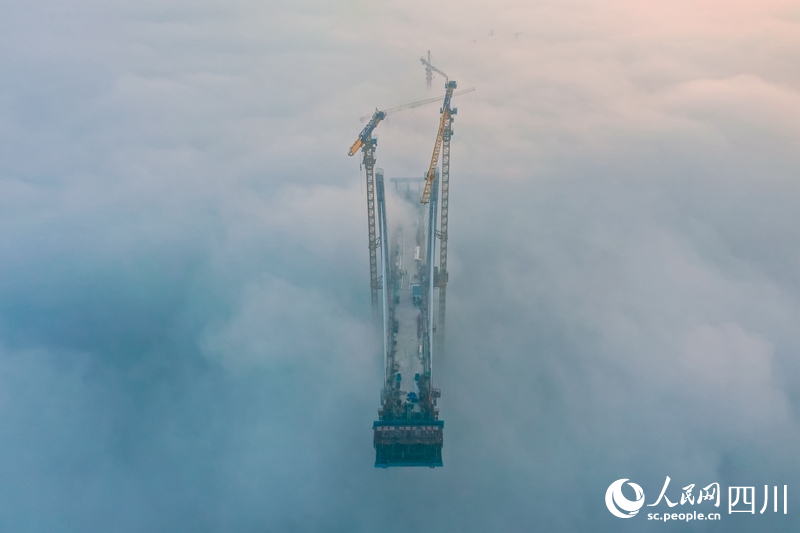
426 193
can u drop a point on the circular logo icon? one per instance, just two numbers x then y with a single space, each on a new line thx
621 506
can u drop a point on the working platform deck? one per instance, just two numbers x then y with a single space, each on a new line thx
404 443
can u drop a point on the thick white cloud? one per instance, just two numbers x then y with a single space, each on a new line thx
183 268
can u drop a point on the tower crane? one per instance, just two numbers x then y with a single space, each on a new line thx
443 136
430 69
444 202
445 120
367 144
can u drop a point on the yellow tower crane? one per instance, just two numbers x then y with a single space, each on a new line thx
378 116
444 122
443 135
367 144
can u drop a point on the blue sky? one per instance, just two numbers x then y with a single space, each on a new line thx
184 300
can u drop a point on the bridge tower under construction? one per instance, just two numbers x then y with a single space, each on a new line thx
408 297
408 431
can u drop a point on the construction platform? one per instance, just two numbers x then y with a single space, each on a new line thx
408 443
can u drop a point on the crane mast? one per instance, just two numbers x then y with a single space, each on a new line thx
368 148
442 233
367 143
